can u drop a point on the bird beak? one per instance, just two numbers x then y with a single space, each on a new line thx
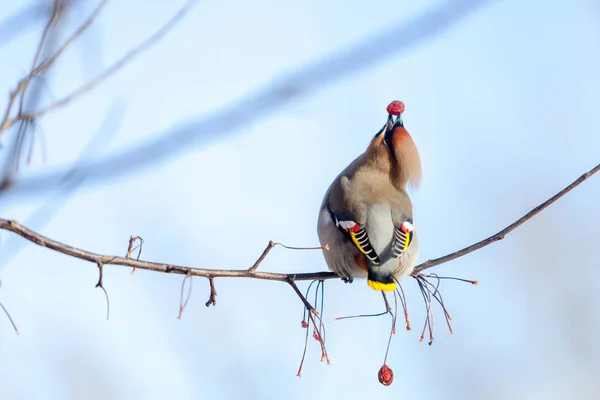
388 127
399 121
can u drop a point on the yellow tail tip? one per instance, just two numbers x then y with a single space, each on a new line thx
386 287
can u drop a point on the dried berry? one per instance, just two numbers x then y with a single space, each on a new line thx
396 107
386 375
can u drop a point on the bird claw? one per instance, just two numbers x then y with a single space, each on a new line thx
348 280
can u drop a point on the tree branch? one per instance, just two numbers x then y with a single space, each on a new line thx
98 259
51 244
500 235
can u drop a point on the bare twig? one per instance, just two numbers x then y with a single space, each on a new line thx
24 134
388 310
307 327
8 315
100 284
291 281
46 64
51 244
397 39
131 248
313 316
273 244
127 58
500 235
183 303
9 318
57 10
212 298
325 247
262 256
43 241
39 68
394 315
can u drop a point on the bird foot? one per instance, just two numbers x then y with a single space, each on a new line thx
348 280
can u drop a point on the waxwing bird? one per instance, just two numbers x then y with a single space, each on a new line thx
366 217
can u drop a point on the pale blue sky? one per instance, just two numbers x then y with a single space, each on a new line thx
502 109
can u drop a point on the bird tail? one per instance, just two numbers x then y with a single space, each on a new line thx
380 280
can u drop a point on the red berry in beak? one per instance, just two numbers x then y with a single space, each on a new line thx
396 107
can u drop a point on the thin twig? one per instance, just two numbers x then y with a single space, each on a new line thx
8 315
324 247
23 84
262 256
100 284
10 318
388 310
183 303
311 310
273 244
212 298
500 235
51 244
46 64
38 69
119 64
299 373
131 248
306 325
393 328
313 316
57 10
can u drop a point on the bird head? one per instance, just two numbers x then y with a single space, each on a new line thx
395 143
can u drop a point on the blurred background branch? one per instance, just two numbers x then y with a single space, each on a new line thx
391 42
38 68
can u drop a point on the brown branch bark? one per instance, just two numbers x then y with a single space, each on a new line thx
98 259
500 235
51 244
212 298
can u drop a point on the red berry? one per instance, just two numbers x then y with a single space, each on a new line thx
317 337
396 107
386 375
304 324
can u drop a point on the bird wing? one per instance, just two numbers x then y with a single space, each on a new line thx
403 236
355 233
